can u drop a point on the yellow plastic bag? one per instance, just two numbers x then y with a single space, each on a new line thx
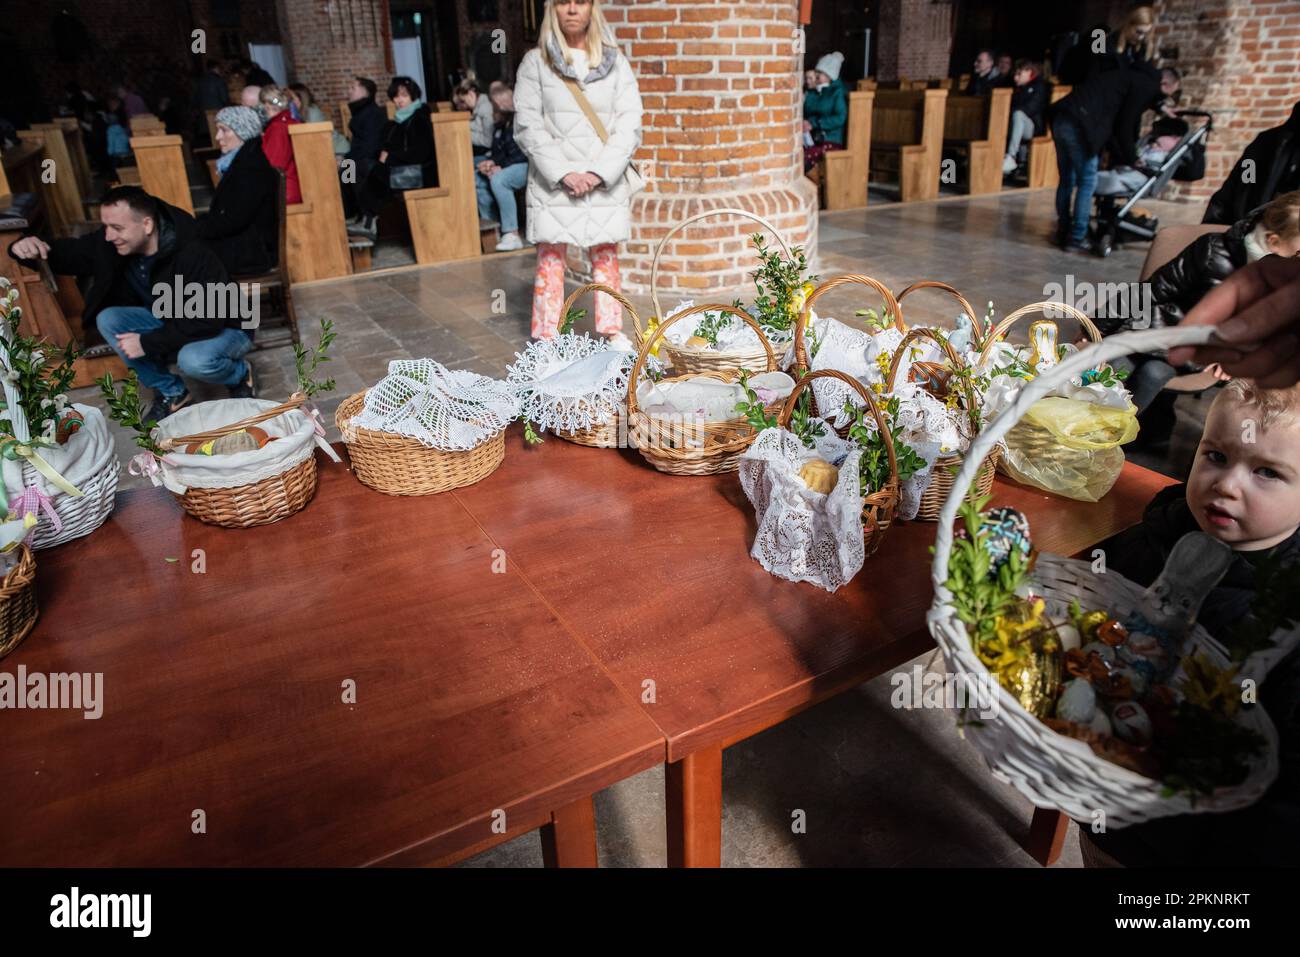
1070 447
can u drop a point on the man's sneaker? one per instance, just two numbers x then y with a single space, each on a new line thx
1078 246
1008 165
164 405
368 227
510 241
246 389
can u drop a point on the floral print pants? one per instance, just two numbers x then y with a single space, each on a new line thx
548 289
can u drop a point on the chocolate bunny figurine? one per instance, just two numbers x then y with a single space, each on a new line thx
1169 607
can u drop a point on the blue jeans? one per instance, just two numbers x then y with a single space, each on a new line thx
1076 168
219 359
500 189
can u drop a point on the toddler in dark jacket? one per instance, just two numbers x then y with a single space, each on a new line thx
1247 494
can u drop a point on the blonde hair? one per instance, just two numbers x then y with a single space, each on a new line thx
274 96
1282 215
598 35
1274 405
1138 17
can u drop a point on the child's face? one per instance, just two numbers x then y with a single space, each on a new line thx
1246 493
1286 248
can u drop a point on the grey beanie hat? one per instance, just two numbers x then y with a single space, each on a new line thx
243 121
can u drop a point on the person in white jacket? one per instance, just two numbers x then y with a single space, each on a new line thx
578 190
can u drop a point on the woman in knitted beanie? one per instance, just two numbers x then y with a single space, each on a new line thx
240 225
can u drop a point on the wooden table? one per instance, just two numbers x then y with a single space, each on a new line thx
652 573
224 693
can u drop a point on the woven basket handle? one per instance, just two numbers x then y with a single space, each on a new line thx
295 401
1112 347
954 360
1003 327
966 307
787 410
663 243
655 336
801 360
599 287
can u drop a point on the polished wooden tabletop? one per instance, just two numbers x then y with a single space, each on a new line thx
224 692
652 572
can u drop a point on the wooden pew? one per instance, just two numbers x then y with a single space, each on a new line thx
867 84
317 234
444 218
162 169
907 140
58 183
1042 152
146 124
977 127
212 125
72 135
845 172
443 106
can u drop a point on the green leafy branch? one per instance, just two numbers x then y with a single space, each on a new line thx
753 409
778 281
977 597
126 410
873 466
307 370
571 318
42 388
875 321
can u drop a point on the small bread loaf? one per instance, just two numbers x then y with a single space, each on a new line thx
819 475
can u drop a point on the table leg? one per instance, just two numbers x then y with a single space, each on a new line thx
570 839
1047 835
694 804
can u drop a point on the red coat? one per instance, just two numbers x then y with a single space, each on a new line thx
279 150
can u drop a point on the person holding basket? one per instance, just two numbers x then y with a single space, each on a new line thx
578 119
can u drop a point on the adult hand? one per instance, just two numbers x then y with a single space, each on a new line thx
130 344
1257 313
30 247
576 184
807 126
492 170
1216 370
383 157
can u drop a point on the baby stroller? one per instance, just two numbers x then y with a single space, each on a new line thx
1185 163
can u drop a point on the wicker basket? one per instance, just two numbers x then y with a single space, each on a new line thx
1052 770
18 602
399 465
801 359
604 435
82 514
257 503
966 307
941 473
699 448
691 361
879 507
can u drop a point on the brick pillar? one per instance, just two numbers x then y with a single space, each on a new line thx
720 82
325 51
1238 59
915 39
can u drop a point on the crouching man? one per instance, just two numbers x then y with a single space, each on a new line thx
138 263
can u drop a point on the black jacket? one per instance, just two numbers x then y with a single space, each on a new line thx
367 128
1108 106
1180 284
240 225
1032 99
505 151
1275 157
410 143
980 85
180 253
1270 828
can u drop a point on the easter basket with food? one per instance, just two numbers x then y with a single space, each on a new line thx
689 424
236 463
57 458
714 341
822 503
921 376
1107 698
17 596
424 429
574 385
1070 442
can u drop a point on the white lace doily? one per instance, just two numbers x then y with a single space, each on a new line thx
803 536
733 333
709 399
451 410
570 382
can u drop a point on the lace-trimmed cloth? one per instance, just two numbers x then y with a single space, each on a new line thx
570 382
804 536
441 408
733 334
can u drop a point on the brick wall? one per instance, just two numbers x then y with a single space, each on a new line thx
915 39
721 91
1240 60
326 56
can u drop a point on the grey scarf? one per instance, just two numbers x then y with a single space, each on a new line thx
600 70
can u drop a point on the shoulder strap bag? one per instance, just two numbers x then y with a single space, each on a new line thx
635 181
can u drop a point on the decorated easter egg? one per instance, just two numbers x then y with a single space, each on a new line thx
1100 723
1007 532
1078 702
1131 722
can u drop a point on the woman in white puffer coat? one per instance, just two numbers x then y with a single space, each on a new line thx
578 190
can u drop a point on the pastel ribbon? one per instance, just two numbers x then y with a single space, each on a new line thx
147 465
29 503
313 413
12 449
